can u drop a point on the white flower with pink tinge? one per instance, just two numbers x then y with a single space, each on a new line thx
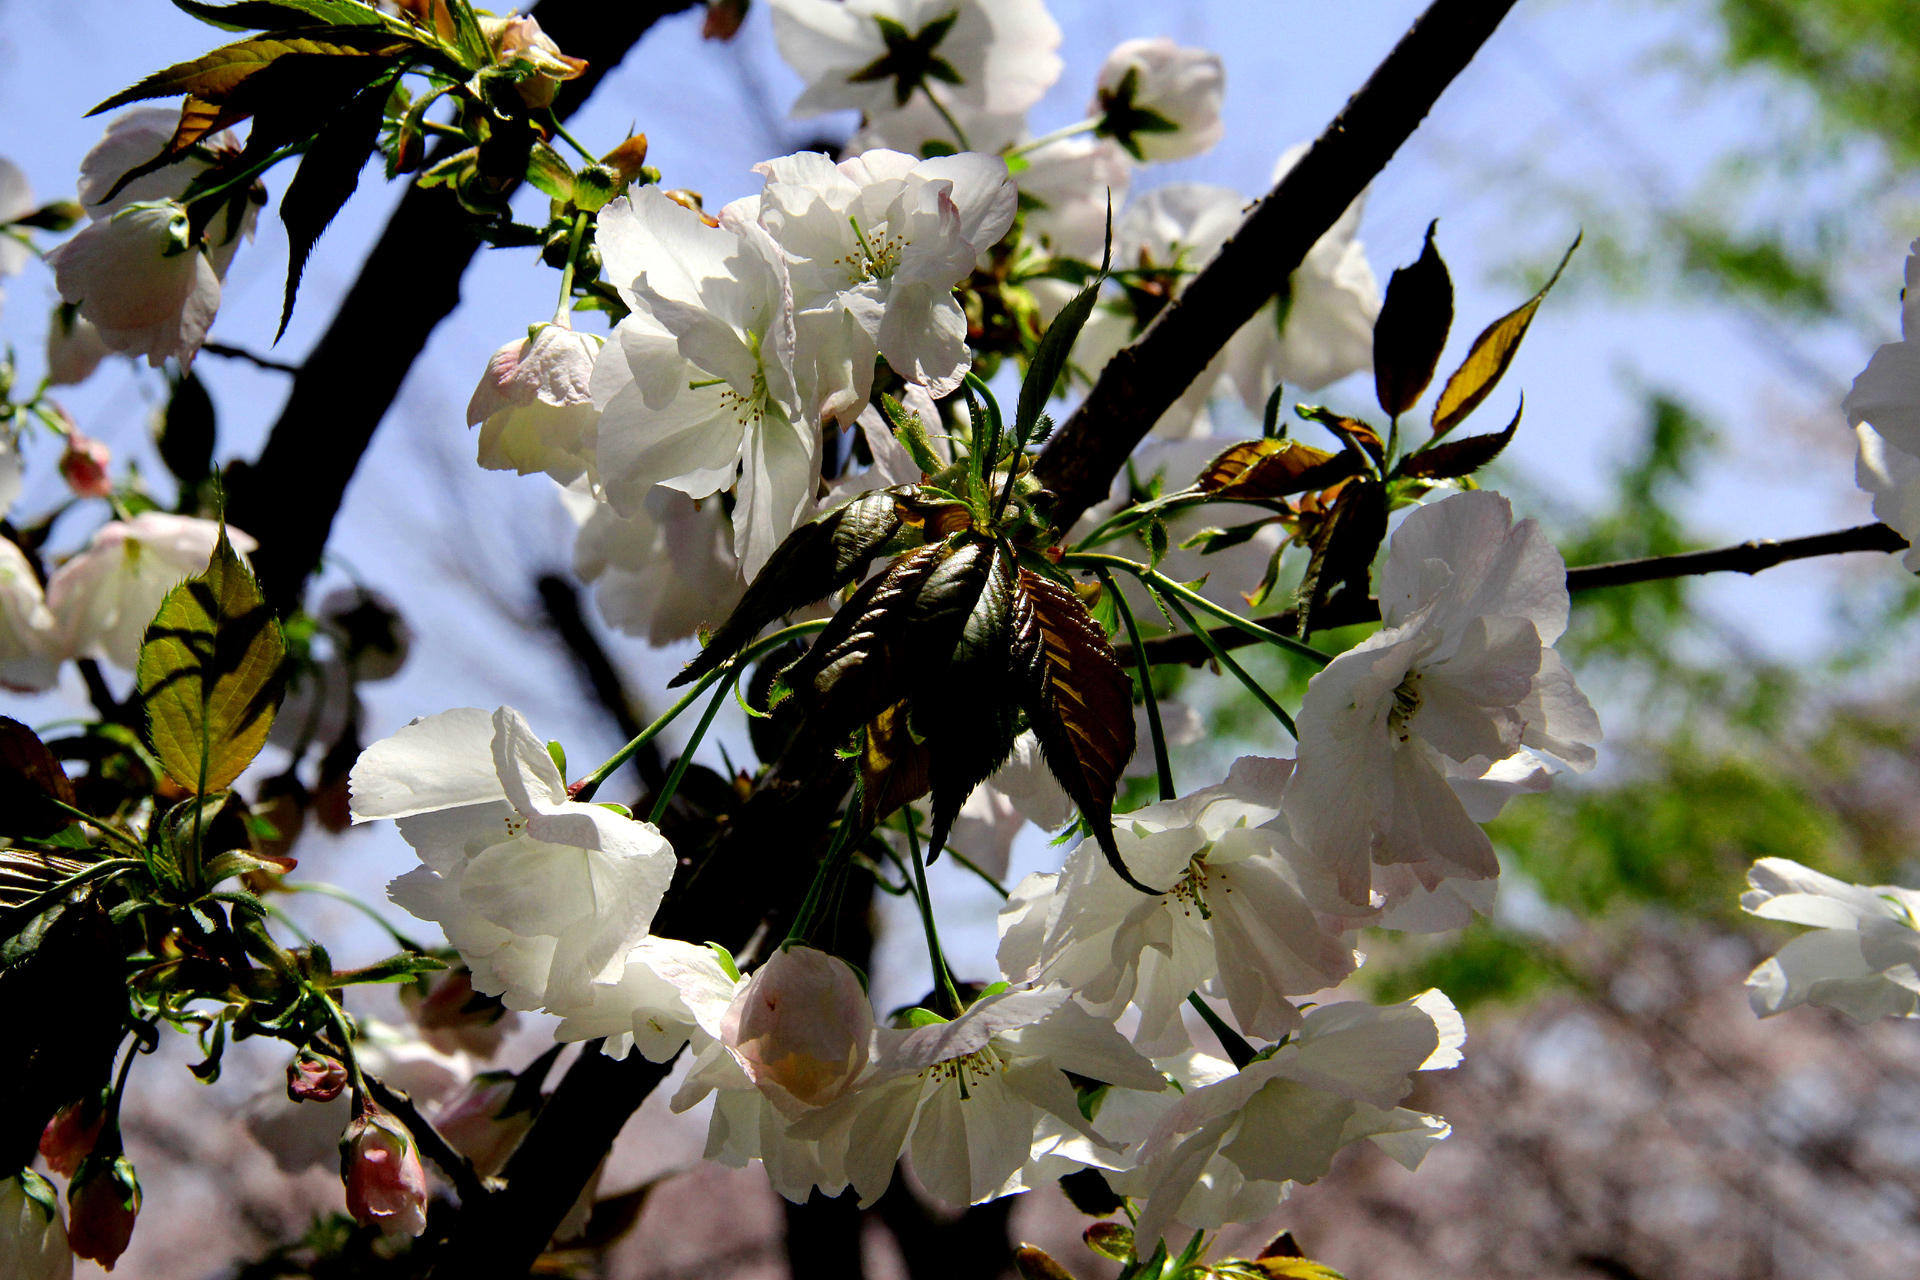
1883 408
534 404
1161 101
1461 676
103 598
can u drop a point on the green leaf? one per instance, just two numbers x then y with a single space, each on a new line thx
403 967
1079 700
468 36
1411 330
814 561
967 715
328 174
280 15
1462 457
210 674
1050 360
548 171
216 76
1489 357
1110 1240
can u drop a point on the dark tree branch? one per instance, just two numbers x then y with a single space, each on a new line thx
1747 557
1143 381
288 497
224 351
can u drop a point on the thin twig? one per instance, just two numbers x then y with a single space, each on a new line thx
459 1169
241 353
1747 557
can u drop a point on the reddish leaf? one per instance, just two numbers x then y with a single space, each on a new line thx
1461 457
1492 352
1261 470
30 780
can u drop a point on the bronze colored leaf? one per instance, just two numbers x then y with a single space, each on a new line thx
814 561
217 75
31 780
1262 470
1411 330
893 767
967 715
1461 457
1492 352
1342 546
1353 432
1079 700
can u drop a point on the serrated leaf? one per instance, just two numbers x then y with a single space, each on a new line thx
216 76
33 786
210 674
1266 469
1050 359
1411 330
1489 357
1079 700
968 715
327 176
901 623
282 15
1343 547
1462 457
814 561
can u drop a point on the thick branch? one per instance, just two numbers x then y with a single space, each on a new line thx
1746 557
1143 381
409 283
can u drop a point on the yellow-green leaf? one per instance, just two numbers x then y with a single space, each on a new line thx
216 75
211 675
1492 352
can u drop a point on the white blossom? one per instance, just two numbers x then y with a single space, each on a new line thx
74 347
1238 914
1862 956
1162 102
1461 670
1282 1117
875 246
103 598
667 992
1321 329
33 1239
29 645
662 573
697 387
1883 407
875 55
1070 186
920 129
543 896
534 404
967 1097
16 201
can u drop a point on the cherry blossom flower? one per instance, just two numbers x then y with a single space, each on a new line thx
29 641
1282 1117
662 573
874 55
74 347
875 246
83 465
33 1240
1068 187
920 128
477 1124
103 598
543 896
965 1096
667 992
380 1164
16 201
1462 669
447 1019
696 388
103 1203
1862 956
520 39
800 1028
1160 101
136 271
1883 408
534 404
1238 913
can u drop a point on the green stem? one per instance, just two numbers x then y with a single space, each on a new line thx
337 1015
672 783
1238 1050
1160 762
1221 656
1058 135
553 119
566 273
804 918
1166 586
591 783
970 865
959 134
942 976
335 892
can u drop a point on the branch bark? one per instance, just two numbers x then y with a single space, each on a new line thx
1143 381
1748 557
288 497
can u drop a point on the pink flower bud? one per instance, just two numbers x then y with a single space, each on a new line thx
473 1122
84 465
800 1027
386 1187
70 1135
313 1077
102 1203
452 1016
